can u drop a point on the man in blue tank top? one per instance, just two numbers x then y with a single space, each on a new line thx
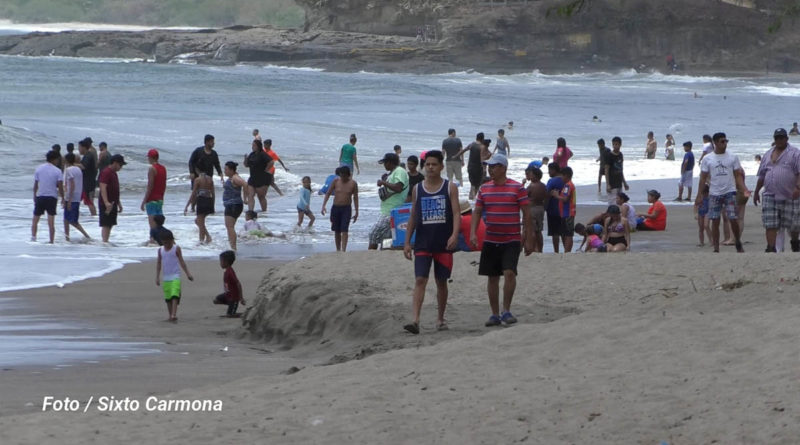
435 217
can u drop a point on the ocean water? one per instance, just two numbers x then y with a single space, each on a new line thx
309 114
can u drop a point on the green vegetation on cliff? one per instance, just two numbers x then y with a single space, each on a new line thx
282 13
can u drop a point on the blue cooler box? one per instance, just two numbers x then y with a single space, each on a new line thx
400 217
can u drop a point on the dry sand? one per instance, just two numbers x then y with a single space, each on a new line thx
681 347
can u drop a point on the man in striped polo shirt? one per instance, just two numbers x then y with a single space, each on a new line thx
501 201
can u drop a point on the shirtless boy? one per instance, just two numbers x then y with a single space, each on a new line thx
345 192
537 193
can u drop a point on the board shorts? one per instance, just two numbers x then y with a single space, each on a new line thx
172 289
686 179
537 218
442 264
340 218
702 209
109 220
496 258
553 224
45 204
716 203
154 207
381 230
568 226
234 210
88 197
204 205
780 214
72 212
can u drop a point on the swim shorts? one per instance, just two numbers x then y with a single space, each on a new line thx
172 289
442 264
777 214
340 218
496 258
205 205
537 218
717 202
553 224
109 220
686 179
72 212
45 204
381 230
154 208
568 226
234 210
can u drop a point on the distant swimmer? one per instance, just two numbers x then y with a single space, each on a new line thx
794 131
651 146
696 95
596 119
510 125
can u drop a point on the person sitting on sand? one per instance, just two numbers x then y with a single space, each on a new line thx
232 295
617 231
591 238
170 263
627 209
345 193
656 216
436 221
253 229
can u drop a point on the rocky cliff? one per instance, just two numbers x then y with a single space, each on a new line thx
490 36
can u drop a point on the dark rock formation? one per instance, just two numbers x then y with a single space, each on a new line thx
489 36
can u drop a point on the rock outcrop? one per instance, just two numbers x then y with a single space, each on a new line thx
489 36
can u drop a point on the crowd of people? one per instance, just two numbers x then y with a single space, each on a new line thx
510 215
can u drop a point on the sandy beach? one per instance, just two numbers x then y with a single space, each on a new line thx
666 343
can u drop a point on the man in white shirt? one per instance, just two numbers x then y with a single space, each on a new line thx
47 187
724 175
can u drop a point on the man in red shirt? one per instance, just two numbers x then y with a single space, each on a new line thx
501 200
153 200
109 203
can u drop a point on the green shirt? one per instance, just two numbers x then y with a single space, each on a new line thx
398 199
348 151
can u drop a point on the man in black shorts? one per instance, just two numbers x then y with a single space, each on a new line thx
109 203
47 187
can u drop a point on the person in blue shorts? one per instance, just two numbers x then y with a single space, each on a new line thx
345 193
436 220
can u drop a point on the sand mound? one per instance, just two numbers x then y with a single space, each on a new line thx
355 305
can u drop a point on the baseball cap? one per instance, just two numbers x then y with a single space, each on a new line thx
780 132
118 159
152 153
534 164
496 159
390 157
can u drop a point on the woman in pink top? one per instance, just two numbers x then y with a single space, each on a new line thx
562 154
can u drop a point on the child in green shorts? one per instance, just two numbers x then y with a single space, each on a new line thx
170 263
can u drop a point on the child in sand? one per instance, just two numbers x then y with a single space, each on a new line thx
304 205
345 192
170 263
591 237
700 214
233 287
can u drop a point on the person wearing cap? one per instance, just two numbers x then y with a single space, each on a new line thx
502 199
454 160
779 177
656 217
48 185
724 175
153 201
109 202
687 172
393 191
90 173
349 157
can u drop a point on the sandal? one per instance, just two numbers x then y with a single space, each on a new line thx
412 328
442 326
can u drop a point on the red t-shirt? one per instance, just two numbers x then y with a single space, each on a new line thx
159 184
109 177
231 286
660 222
501 205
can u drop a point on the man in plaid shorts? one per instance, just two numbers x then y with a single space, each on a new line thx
724 175
779 174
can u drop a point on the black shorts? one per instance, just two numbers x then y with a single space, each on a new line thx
234 210
496 258
257 181
340 218
45 204
568 226
204 205
269 179
554 224
617 240
109 220
475 177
